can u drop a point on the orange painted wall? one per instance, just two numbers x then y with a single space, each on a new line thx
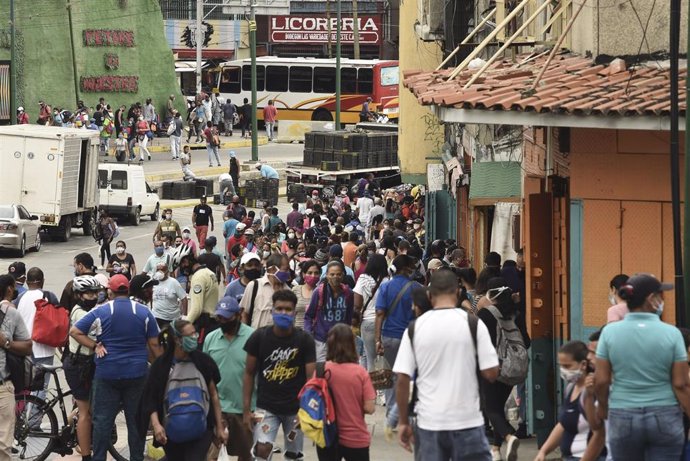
623 179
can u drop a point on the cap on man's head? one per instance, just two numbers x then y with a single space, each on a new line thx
102 279
249 257
336 251
17 270
118 284
203 197
140 282
227 307
233 154
642 285
240 227
249 231
258 166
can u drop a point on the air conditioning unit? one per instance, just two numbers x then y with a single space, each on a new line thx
430 22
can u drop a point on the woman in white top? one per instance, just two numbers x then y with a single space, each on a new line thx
78 362
366 291
311 274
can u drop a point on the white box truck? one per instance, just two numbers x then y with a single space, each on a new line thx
53 173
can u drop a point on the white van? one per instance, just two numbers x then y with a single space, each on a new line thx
124 192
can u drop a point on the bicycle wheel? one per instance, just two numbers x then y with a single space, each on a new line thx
119 442
36 428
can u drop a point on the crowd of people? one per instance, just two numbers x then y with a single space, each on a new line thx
350 281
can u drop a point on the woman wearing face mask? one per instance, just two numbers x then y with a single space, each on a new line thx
646 360
496 394
77 361
290 235
573 433
366 292
181 359
121 262
330 304
169 298
311 274
107 227
189 241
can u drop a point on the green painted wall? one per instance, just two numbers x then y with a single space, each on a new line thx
45 59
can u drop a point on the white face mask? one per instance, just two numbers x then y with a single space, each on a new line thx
168 216
570 376
159 275
417 226
120 250
612 299
291 235
186 234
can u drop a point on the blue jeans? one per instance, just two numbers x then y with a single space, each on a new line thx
212 151
267 430
461 445
390 353
651 433
108 396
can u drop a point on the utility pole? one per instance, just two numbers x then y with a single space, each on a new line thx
328 21
199 42
252 48
675 8
675 164
338 31
13 67
355 29
74 54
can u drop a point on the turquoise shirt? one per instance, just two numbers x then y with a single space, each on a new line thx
641 349
231 360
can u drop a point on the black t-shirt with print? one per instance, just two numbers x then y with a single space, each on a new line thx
123 264
203 213
280 363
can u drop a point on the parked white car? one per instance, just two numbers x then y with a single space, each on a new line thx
19 230
125 193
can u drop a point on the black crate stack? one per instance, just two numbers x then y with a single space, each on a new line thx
344 150
257 192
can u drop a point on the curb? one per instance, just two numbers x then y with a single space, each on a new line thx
188 203
263 140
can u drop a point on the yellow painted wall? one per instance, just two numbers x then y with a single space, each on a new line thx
419 132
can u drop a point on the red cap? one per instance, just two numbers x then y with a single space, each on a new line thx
118 283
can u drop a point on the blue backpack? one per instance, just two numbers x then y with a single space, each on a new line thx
316 412
186 403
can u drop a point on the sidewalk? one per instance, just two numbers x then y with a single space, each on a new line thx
162 144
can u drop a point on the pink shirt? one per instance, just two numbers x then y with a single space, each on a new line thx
616 313
270 114
351 387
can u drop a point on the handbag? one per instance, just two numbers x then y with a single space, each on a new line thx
51 323
382 376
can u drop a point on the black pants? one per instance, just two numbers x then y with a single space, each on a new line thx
195 450
246 126
495 396
105 251
339 452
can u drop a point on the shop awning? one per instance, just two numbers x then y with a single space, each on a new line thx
187 66
495 181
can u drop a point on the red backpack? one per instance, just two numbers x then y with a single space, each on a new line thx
51 323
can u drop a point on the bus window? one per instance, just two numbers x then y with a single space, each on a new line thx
390 76
276 78
324 79
365 81
230 80
247 78
348 80
300 79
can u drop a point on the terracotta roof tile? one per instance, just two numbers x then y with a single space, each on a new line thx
571 84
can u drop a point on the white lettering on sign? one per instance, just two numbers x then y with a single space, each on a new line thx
315 29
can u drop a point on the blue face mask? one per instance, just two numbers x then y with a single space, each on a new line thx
190 343
159 251
101 297
660 308
283 276
283 321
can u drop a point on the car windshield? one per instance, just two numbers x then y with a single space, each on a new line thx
6 212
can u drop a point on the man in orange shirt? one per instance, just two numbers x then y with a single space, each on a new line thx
270 117
350 249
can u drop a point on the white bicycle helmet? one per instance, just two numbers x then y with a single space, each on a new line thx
83 283
179 253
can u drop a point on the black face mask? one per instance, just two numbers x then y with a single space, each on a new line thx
252 274
230 326
88 304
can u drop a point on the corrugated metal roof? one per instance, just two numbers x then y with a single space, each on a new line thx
496 180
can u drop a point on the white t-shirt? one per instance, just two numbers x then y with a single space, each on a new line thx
166 299
364 205
364 286
27 309
444 358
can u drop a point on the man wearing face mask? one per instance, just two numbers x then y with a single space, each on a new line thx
237 238
188 240
647 363
141 288
257 299
226 347
250 269
203 296
167 227
83 265
169 298
282 357
156 258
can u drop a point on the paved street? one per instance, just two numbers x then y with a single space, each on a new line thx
56 261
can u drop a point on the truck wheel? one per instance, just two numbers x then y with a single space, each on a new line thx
87 223
64 230
156 213
321 115
136 217
37 243
22 247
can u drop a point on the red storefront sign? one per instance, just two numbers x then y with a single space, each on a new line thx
315 29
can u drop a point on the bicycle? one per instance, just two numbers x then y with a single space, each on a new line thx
36 431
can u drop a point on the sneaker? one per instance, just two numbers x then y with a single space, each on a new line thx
149 157
219 164
512 445
209 165
496 454
388 433
293 456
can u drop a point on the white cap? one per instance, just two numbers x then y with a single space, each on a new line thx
20 109
186 229
240 227
248 257
249 231
258 166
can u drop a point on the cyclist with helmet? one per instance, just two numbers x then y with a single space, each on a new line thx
77 360
181 265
